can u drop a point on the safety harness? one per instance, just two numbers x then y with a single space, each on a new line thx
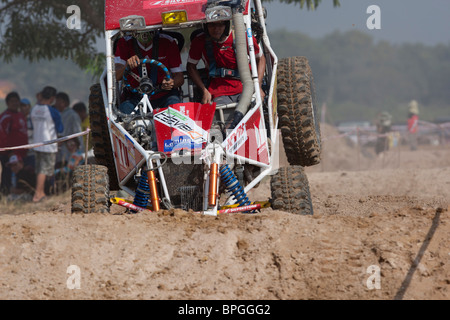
214 71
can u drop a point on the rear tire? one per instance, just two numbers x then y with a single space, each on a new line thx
290 191
300 129
100 134
90 189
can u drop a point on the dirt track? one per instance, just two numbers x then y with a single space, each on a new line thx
391 214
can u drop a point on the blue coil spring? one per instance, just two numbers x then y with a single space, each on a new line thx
232 185
142 193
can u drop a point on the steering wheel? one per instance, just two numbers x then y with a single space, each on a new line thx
146 85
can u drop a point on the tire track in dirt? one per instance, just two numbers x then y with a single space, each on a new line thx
384 218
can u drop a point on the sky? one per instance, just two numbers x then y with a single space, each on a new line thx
401 21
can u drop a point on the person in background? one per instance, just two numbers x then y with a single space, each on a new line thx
76 156
24 180
47 124
63 175
384 122
13 132
71 123
81 109
25 108
413 124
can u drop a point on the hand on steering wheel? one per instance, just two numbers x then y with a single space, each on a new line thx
145 84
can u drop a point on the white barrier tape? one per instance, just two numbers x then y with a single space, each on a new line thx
426 123
361 132
430 124
30 146
442 126
338 136
40 144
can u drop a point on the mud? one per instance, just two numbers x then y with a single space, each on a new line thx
373 215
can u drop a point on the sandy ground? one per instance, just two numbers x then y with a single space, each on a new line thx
380 230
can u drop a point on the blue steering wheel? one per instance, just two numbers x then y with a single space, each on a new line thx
146 85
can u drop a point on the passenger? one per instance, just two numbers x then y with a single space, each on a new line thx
215 46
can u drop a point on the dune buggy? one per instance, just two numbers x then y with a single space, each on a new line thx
197 164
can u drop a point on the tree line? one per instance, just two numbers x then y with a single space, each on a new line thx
354 75
358 78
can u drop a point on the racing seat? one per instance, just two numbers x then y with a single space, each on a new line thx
177 36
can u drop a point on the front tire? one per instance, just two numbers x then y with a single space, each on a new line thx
300 129
90 189
100 134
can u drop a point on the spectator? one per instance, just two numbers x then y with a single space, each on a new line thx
129 52
63 175
76 156
24 182
13 132
47 124
384 122
215 46
71 123
81 109
25 108
413 123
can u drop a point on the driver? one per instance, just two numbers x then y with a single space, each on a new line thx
148 45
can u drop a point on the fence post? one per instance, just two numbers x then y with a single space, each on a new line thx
358 148
86 147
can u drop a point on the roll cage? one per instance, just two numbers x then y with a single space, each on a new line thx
144 15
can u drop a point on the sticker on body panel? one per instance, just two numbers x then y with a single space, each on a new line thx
183 126
127 156
181 143
249 139
176 120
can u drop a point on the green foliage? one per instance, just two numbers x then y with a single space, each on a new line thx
36 30
358 78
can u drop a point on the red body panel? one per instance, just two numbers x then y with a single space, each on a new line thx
183 126
151 10
126 154
249 139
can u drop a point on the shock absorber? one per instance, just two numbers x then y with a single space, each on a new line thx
233 186
153 190
212 195
142 193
